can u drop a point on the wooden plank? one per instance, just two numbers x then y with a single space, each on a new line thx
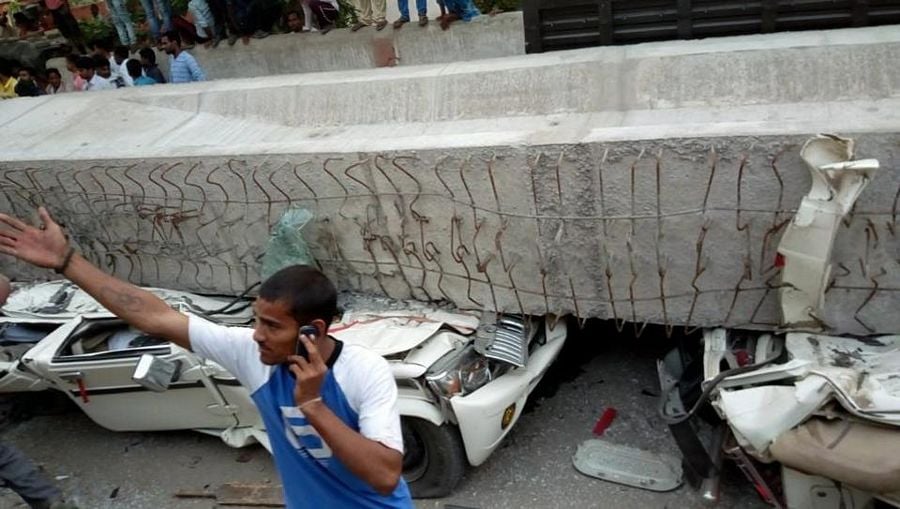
250 495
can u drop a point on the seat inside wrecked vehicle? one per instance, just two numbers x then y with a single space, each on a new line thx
109 338
18 338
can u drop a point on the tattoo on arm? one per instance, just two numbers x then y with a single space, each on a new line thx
124 298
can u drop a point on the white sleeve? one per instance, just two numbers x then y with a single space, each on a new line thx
379 415
232 348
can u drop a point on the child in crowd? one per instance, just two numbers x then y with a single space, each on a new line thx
78 83
55 83
102 69
148 62
86 68
7 81
26 87
135 72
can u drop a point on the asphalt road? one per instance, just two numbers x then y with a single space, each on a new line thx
101 469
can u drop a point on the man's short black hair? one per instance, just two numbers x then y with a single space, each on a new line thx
134 68
100 62
148 55
86 63
53 70
73 58
308 293
121 52
29 70
295 12
172 35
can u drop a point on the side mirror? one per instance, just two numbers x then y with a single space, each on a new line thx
155 373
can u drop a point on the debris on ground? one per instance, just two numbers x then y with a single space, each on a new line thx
606 418
628 465
240 494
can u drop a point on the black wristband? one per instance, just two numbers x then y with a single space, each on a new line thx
68 258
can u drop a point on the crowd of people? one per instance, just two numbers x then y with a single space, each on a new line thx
105 68
207 22
211 21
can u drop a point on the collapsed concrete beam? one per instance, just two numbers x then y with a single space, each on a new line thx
660 200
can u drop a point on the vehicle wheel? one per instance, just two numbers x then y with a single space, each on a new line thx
434 460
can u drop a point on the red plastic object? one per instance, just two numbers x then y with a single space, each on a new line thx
608 416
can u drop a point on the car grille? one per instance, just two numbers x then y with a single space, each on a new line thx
505 340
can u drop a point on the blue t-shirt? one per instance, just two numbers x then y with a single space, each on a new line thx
358 388
144 80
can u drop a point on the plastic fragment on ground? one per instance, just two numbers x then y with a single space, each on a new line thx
628 465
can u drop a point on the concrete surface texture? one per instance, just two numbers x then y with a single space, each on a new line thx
483 37
647 183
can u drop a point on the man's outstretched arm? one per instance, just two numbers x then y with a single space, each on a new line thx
49 248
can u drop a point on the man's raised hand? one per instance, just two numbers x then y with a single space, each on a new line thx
44 247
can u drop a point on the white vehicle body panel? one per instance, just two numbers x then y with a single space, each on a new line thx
806 245
479 414
208 399
101 385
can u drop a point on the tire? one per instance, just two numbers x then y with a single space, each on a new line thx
434 461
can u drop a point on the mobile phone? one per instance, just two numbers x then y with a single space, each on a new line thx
309 330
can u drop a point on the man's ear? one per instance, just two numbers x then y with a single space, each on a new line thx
321 326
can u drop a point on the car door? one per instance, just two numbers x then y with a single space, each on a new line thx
88 360
17 337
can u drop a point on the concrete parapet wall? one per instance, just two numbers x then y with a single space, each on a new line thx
666 210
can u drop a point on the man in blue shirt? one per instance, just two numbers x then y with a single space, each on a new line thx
183 68
330 409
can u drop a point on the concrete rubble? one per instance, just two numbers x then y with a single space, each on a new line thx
647 183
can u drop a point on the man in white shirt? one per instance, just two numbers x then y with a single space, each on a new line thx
330 409
86 69
120 58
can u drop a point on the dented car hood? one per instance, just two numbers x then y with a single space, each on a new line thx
388 332
61 301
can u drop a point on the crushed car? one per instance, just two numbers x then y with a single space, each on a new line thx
463 380
812 419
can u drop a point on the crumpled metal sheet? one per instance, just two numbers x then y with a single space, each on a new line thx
60 301
864 373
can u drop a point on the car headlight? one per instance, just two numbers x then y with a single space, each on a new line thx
459 373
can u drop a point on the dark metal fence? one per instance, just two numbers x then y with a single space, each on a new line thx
567 24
